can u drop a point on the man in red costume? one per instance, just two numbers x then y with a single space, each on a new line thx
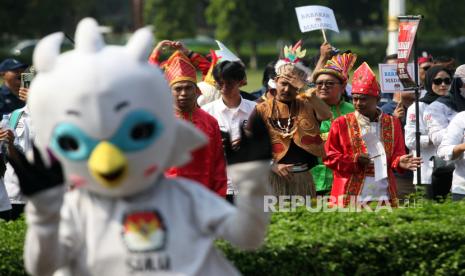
208 163
364 147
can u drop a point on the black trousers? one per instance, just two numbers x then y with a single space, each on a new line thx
14 213
230 199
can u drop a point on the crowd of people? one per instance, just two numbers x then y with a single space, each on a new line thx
333 137
126 162
329 136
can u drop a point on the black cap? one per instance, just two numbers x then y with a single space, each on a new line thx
10 64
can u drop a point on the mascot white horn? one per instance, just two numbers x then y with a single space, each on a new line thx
105 126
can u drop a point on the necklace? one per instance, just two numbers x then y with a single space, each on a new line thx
286 130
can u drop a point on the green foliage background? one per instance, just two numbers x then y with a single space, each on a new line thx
425 239
249 27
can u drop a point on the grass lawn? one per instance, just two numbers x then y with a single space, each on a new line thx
254 80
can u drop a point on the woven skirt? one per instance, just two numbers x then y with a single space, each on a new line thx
300 183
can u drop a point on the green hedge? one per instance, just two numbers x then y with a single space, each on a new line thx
425 240
11 247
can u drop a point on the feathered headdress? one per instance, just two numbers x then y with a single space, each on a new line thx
295 53
338 66
209 76
290 65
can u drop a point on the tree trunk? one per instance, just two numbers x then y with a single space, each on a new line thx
355 37
237 47
253 55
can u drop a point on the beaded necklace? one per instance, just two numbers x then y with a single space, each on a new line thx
286 130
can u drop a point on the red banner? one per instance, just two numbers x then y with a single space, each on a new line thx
407 30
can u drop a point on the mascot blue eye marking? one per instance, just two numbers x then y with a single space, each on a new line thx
137 131
71 142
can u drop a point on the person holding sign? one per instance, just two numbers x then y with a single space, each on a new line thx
401 100
331 81
326 53
293 119
364 147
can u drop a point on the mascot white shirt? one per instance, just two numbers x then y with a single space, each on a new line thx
107 116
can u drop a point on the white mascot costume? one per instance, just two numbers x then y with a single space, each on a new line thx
106 115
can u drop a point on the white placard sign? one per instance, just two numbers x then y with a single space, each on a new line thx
376 150
316 18
389 80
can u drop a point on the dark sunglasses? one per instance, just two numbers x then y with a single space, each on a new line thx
439 81
328 84
425 67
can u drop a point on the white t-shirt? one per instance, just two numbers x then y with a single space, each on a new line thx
230 120
168 229
437 117
427 149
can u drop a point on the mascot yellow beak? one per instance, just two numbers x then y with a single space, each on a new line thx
108 165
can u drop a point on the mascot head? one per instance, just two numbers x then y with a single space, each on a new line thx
105 113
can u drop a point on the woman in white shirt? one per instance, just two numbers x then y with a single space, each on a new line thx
437 84
437 115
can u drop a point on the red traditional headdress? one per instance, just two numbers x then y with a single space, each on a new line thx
179 68
364 81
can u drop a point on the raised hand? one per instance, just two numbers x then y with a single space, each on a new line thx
35 177
325 51
399 112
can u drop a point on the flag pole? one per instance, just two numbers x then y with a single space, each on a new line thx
324 35
417 94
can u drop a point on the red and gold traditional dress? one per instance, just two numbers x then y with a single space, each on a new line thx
208 164
345 143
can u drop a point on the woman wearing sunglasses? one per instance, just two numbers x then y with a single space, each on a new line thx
437 84
452 145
